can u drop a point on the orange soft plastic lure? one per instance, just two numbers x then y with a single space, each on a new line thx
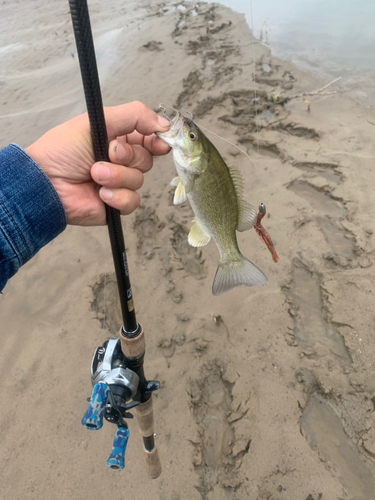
262 233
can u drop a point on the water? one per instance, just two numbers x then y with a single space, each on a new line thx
331 37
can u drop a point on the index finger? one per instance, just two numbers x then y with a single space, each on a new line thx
152 143
125 118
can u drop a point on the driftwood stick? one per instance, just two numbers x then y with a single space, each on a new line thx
316 92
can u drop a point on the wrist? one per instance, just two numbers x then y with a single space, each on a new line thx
32 152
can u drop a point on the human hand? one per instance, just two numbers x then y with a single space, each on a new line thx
65 153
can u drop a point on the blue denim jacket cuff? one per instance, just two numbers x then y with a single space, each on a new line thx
31 212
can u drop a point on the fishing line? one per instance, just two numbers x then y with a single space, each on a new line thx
255 90
255 96
226 140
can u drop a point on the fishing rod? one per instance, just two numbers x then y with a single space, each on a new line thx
117 375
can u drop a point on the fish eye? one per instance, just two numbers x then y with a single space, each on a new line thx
193 136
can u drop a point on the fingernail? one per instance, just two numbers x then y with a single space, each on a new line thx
102 172
163 121
120 152
106 194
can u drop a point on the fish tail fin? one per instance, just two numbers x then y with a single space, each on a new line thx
240 272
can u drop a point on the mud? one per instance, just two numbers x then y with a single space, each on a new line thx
219 450
106 303
313 334
319 200
325 434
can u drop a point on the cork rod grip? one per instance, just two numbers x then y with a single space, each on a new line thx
144 412
152 463
145 417
132 348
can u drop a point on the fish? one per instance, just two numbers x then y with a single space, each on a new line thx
215 193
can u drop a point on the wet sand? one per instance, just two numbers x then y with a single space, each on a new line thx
266 393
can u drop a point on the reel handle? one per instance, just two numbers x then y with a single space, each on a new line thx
116 460
93 418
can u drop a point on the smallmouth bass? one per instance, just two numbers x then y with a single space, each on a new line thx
215 195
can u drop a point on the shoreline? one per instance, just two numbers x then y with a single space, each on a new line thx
308 41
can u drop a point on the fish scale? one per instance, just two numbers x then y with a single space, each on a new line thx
219 213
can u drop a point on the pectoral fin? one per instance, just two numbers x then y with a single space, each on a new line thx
182 190
179 194
175 181
190 184
198 236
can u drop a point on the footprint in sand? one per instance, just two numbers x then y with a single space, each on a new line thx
188 258
222 445
147 226
106 303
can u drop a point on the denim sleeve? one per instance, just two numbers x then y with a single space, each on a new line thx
31 212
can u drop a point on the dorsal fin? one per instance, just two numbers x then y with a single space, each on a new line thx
237 180
247 215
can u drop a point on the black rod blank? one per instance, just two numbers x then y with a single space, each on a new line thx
91 85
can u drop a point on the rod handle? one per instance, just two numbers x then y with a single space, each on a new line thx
152 463
133 348
116 460
93 418
145 418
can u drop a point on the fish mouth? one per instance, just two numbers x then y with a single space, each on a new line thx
176 122
171 114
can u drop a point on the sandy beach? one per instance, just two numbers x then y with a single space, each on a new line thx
267 393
